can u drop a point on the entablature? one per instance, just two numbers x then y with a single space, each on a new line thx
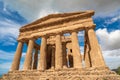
58 24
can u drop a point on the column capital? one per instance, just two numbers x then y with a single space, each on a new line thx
21 41
60 33
32 39
91 27
74 31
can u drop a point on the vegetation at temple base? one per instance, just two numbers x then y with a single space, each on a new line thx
118 70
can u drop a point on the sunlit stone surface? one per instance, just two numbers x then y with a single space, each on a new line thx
58 57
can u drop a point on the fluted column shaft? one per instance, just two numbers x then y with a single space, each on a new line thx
77 58
95 52
35 61
42 61
28 59
17 57
86 52
58 53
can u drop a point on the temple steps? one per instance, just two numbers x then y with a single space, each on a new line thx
62 75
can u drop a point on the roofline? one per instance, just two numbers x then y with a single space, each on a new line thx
36 23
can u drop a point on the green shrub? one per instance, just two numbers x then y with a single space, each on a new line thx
118 70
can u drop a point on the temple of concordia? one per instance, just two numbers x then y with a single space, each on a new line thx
58 57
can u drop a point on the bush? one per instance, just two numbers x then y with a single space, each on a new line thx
118 70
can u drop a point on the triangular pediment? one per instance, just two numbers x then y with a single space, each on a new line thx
57 23
52 18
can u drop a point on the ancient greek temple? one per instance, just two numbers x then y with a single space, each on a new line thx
59 57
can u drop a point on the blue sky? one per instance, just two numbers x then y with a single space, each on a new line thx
16 13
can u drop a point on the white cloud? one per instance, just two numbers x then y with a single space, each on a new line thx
112 58
7 58
9 28
10 22
109 40
110 46
45 12
5 65
115 18
112 53
113 62
81 33
82 50
9 55
33 8
6 55
9 32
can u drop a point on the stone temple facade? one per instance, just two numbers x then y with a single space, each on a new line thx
58 57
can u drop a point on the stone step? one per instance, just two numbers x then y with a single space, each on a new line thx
82 77
62 75
68 73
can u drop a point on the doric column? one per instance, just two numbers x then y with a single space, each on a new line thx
77 58
64 55
53 58
58 53
17 57
42 61
87 58
28 59
95 52
35 61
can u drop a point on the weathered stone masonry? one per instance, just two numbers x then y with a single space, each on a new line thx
54 28
59 52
